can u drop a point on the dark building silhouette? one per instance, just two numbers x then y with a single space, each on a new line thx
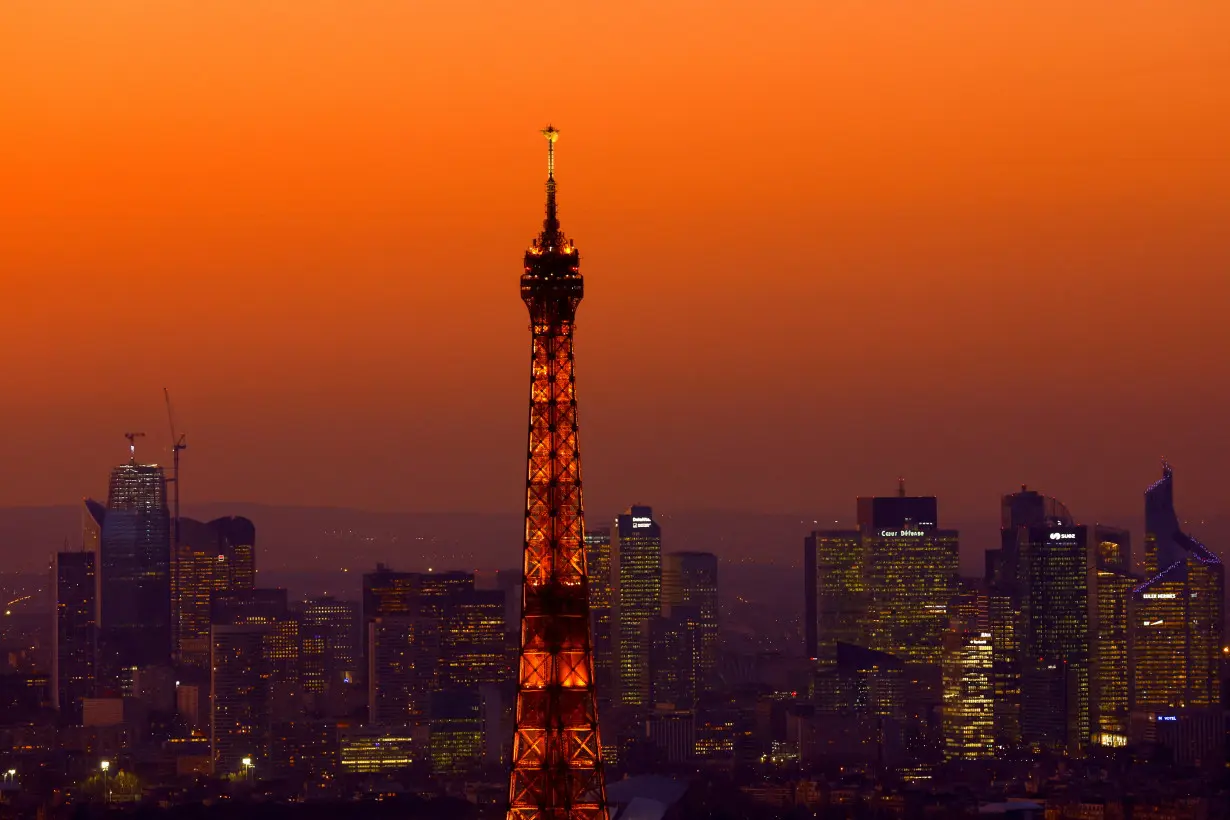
75 635
691 579
1056 706
134 570
241 707
556 757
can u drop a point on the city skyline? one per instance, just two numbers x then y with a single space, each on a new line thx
945 262
968 234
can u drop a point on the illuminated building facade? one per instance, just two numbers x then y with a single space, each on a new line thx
76 632
1178 625
330 641
472 652
218 556
969 708
557 755
1056 704
690 579
910 575
834 594
241 707
268 609
134 570
636 578
1005 582
1113 661
372 749
598 568
456 733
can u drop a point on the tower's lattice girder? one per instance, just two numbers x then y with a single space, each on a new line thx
556 755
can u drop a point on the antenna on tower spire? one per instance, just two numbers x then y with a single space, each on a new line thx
132 446
550 226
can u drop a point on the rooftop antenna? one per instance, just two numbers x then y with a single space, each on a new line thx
550 226
901 486
132 446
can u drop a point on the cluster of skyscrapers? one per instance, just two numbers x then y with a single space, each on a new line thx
168 621
1063 645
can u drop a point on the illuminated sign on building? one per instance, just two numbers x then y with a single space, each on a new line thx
1063 536
901 533
1152 595
640 523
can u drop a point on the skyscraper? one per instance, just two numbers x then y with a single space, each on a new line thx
1178 621
331 641
472 640
402 652
834 593
969 712
75 632
1056 567
1113 656
691 579
675 641
557 756
134 573
269 610
218 556
636 581
598 567
1018 511
241 707
910 575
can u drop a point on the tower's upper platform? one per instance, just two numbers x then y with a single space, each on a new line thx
551 283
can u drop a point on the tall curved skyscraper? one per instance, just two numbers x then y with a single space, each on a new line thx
134 573
557 756
1179 612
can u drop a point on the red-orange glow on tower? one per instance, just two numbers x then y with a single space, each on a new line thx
556 758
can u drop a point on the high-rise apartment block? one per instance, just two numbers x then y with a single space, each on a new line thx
636 580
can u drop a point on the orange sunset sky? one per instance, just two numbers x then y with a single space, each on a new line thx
825 243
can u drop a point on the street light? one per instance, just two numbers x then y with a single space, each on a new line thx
247 768
105 765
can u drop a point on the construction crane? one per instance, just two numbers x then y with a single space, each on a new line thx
179 442
132 445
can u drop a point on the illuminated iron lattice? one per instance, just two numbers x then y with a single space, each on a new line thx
556 758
